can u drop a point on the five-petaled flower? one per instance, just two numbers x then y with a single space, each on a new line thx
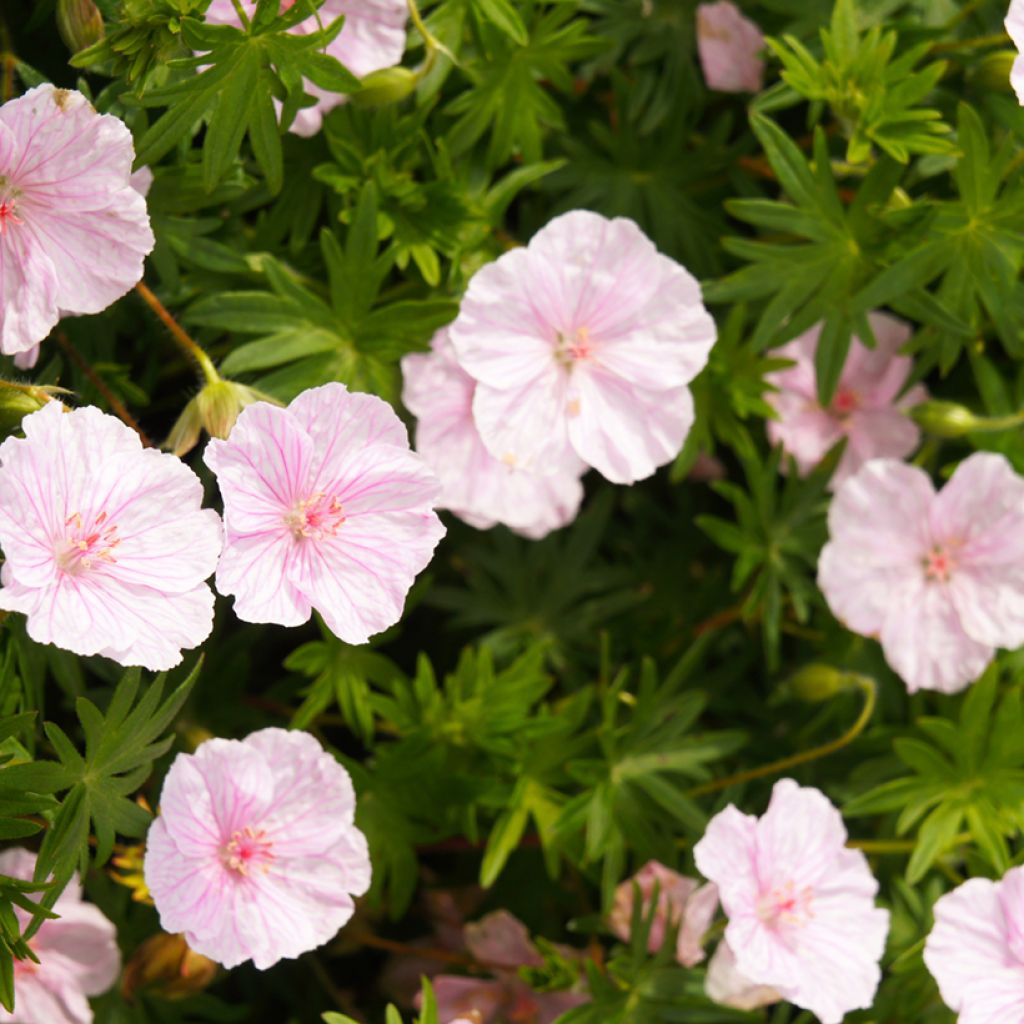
255 855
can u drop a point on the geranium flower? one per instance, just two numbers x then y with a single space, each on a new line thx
373 37
73 231
477 487
78 956
866 409
681 900
976 949
729 46
1015 29
583 342
106 544
255 855
937 578
801 906
324 507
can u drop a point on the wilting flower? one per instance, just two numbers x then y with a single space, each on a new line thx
801 906
477 487
324 507
255 855
1015 29
976 950
729 46
373 37
866 408
724 984
73 232
166 965
106 545
78 956
501 943
681 901
937 578
582 345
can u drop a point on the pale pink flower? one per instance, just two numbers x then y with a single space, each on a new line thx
801 906
866 408
477 487
255 855
73 232
582 345
106 545
681 900
976 949
27 360
372 38
724 984
325 507
78 956
729 46
1015 29
500 942
938 578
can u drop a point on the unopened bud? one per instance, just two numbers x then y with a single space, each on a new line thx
214 410
79 23
388 85
816 683
17 401
165 965
945 419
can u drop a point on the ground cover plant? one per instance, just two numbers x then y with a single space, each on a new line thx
512 511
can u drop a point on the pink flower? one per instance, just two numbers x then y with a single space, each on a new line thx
729 46
142 181
865 409
476 486
976 950
801 906
373 37
725 985
78 956
582 344
106 546
73 232
501 943
1015 29
937 578
255 855
681 900
325 507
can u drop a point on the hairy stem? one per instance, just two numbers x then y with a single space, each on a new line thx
184 342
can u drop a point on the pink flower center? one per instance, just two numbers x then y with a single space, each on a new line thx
786 905
83 546
8 206
845 402
574 347
318 516
247 848
938 564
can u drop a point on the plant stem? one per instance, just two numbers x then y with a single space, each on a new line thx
115 403
183 340
977 43
242 16
865 684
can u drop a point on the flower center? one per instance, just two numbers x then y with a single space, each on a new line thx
247 848
845 402
8 205
786 904
318 516
83 546
574 347
938 564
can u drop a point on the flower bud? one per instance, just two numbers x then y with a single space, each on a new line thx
945 419
214 410
992 72
816 683
79 23
165 965
389 85
17 401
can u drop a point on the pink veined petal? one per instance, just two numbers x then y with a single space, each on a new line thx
803 429
384 478
35 1001
800 378
28 293
239 780
359 579
877 375
725 984
623 431
925 644
764 955
729 46
186 810
725 855
969 939
997 998
698 915
876 433
85 944
254 569
373 36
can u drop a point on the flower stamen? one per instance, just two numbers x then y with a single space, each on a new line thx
247 848
317 516
82 547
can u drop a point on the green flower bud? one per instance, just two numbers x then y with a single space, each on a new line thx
389 85
19 400
214 410
992 72
945 419
816 683
80 23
